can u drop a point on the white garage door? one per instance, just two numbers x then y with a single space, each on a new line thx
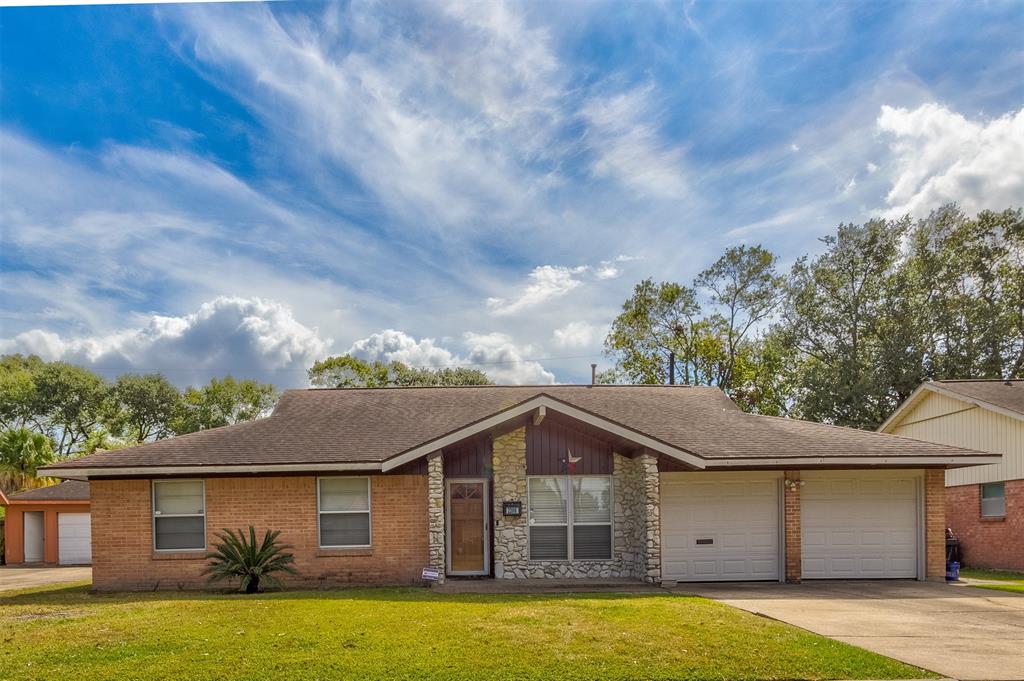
74 533
859 524
720 526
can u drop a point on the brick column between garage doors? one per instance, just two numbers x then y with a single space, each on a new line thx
935 524
791 522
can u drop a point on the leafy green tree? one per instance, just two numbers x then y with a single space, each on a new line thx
746 289
69 404
142 407
222 402
346 371
22 453
18 394
837 303
656 321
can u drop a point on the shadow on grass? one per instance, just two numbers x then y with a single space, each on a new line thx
83 595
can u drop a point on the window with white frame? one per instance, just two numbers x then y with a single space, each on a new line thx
993 500
343 505
570 517
179 515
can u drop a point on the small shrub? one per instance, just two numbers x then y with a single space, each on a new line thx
255 564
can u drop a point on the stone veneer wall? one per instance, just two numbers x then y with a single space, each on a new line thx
435 513
635 534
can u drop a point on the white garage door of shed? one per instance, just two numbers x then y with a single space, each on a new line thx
74 534
859 524
720 526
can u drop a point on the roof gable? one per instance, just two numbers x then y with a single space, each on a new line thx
1001 397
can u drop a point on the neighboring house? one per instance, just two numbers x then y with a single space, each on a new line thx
48 525
657 483
984 504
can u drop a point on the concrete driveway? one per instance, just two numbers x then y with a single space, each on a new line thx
25 577
958 631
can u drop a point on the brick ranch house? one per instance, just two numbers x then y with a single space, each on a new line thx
655 483
984 504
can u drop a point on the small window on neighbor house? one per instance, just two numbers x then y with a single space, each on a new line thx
993 500
344 510
179 515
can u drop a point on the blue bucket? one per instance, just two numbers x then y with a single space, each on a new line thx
952 571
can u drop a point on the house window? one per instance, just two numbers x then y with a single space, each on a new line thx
570 517
993 500
179 515
343 505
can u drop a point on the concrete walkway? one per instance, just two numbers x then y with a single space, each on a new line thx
538 586
25 577
955 630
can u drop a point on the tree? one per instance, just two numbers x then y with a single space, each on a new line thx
141 407
222 402
657 321
68 404
840 306
22 453
346 371
18 395
744 285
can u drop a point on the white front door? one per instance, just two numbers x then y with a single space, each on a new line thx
33 536
720 526
74 536
859 524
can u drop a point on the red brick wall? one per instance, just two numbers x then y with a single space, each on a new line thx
791 514
988 542
122 541
935 523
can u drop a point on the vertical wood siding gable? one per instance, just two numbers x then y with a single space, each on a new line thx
547 446
468 459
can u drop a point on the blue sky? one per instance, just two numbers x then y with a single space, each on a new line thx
247 187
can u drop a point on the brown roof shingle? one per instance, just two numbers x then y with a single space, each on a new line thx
69 490
1005 394
373 425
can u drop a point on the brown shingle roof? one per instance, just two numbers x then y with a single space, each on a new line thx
1005 394
69 490
373 425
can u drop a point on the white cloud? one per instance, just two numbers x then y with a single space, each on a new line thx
390 345
606 270
578 335
941 156
546 282
503 361
494 353
247 337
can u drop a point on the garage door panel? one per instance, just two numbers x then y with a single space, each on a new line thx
74 538
738 513
859 524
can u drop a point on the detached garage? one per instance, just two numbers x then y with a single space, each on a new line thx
49 525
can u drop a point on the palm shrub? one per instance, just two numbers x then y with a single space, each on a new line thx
238 556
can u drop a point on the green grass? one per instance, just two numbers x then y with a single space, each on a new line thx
68 633
985 573
1008 580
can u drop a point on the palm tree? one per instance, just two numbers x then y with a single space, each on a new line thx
241 557
22 453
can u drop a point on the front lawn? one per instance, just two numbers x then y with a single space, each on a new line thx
1006 580
68 633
